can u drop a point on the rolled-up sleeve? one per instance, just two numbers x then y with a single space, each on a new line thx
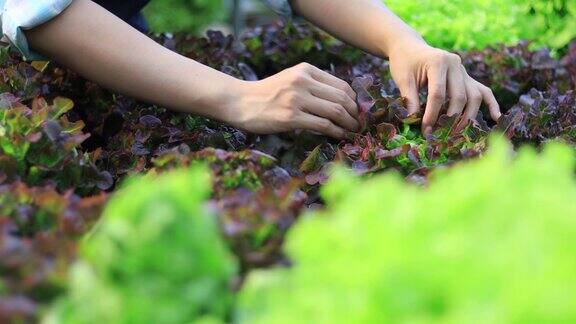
19 15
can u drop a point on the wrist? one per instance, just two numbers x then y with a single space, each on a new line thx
242 97
405 46
227 103
216 98
410 42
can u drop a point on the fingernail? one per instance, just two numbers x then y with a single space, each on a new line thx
428 130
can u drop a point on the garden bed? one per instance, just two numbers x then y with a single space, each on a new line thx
66 144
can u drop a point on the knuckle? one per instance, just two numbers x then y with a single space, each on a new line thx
475 97
298 79
294 81
350 93
438 94
325 125
455 58
342 96
304 67
340 112
292 98
344 86
481 85
460 98
441 58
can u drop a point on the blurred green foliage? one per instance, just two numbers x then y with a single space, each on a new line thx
155 257
465 24
458 24
488 242
183 15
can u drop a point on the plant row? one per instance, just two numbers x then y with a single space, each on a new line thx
66 144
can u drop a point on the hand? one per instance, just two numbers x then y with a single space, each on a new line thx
301 97
415 63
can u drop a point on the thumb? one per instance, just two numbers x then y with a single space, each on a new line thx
409 90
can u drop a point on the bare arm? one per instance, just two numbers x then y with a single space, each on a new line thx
105 49
370 25
367 24
101 47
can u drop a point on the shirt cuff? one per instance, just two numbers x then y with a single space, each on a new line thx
20 15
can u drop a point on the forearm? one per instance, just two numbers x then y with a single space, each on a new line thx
103 48
367 24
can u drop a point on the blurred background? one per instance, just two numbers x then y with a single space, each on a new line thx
197 16
451 24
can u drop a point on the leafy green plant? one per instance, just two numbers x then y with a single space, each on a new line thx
544 115
488 241
48 162
256 201
39 228
469 24
183 15
156 257
37 143
511 71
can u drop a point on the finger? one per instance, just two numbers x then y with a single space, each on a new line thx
474 100
436 97
409 90
326 92
334 112
490 100
329 79
320 125
456 90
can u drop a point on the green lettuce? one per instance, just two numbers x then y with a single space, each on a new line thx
155 257
489 241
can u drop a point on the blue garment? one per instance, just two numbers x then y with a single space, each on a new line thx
127 10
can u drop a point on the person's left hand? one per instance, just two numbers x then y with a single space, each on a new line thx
415 64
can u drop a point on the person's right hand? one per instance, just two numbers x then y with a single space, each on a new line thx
301 97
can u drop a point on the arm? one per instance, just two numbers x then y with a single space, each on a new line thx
370 25
367 24
101 47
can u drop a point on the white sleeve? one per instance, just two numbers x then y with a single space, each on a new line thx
19 15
